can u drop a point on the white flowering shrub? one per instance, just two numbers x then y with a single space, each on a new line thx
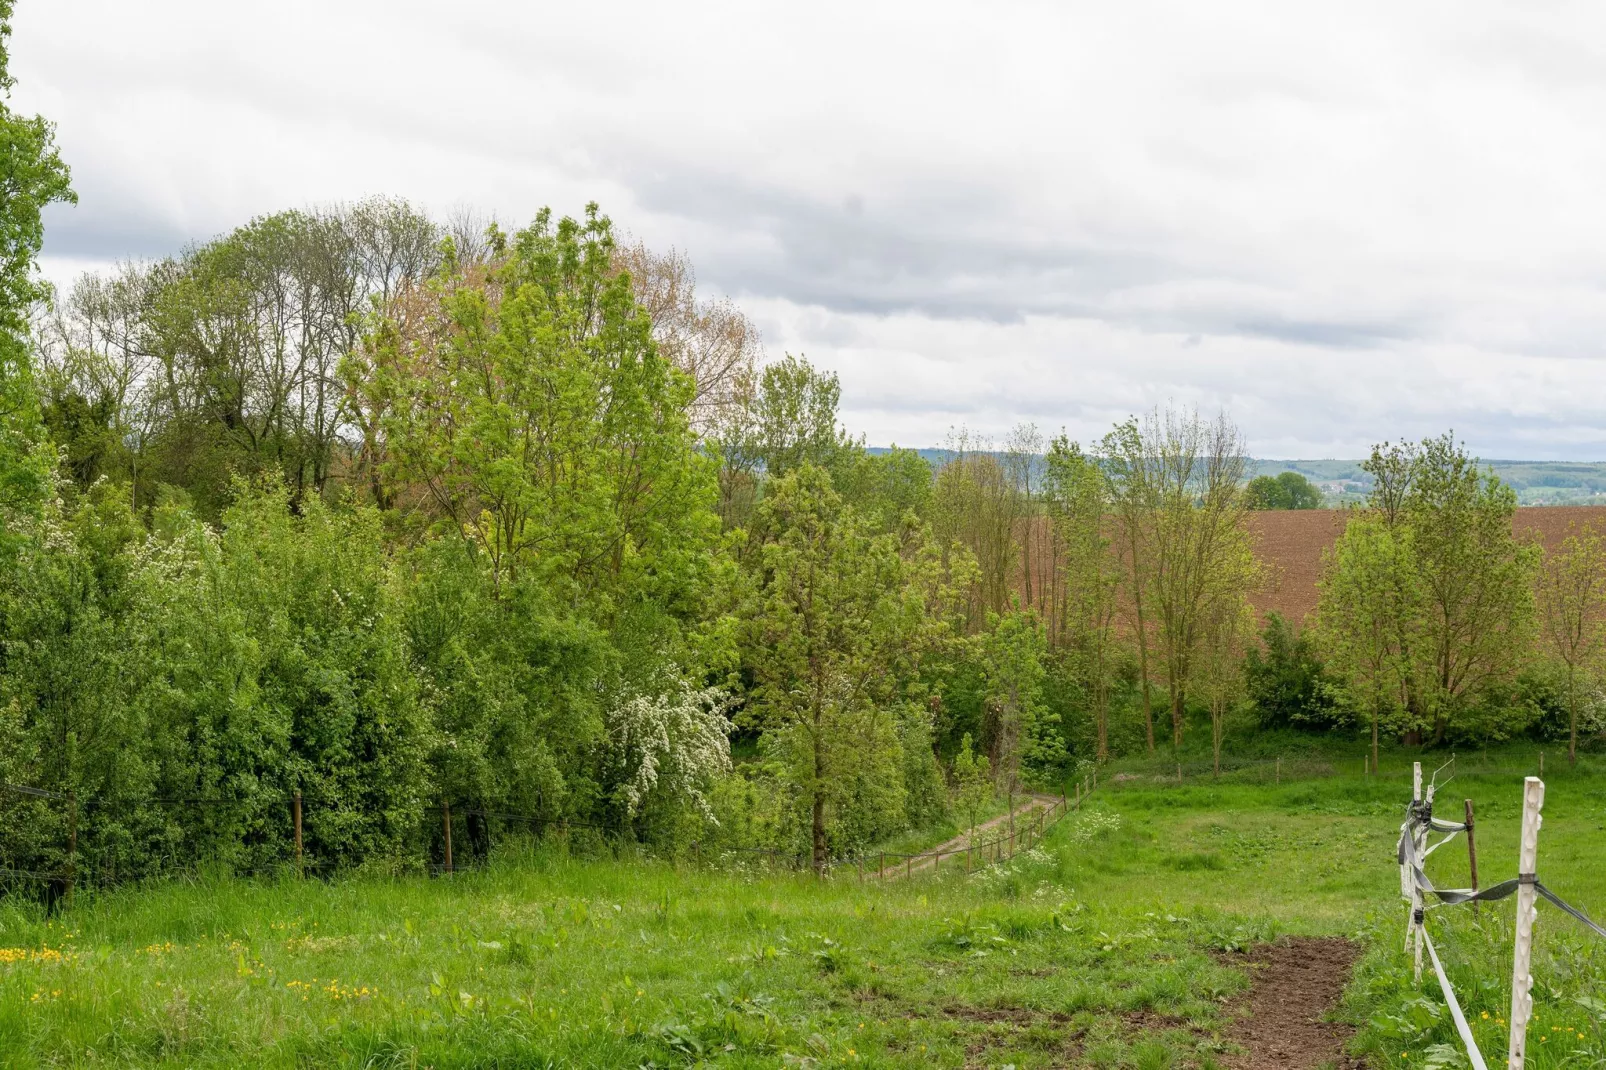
675 744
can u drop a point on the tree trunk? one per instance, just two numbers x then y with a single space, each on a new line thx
1178 699
1377 715
1572 716
1143 674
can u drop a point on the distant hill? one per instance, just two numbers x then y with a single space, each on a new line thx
1343 481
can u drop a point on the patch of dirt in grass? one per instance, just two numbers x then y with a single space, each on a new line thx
1296 982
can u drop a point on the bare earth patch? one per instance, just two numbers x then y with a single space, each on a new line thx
1296 983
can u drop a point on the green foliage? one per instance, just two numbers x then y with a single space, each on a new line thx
1285 678
836 637
1285 490
32 175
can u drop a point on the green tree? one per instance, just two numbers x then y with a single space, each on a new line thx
1284 677
1227 625
1477 607
1369 607
1088 585
1572 596
973 781
32 175
1197 549
541 426
1285 490
840 621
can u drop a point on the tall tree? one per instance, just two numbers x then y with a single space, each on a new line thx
1369 606
1572 612
1132 471
1197 548
839 617
1076 492
1477 579
32 175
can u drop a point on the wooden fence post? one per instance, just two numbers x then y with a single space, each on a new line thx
881 873
1522 1004
936 866
446 823
1279 769
295 813
1472 858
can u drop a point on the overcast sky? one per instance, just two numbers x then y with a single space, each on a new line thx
1341 223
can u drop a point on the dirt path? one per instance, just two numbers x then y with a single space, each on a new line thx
1297 982
957 845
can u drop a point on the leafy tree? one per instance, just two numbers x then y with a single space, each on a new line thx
973 781
1076 492
1021 730
1572 596
1285 490
542 427
1369 608
978 504
1476 578
1284 677
1131 466
840 619
32 175
1227 625
1197 549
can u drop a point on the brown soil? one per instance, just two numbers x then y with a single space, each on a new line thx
1290 544
1296 984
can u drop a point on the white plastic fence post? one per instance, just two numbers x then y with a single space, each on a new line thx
1415 931
1522 1004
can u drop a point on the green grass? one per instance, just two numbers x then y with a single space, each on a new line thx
1099 949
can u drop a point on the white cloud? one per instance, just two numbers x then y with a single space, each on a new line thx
1345 224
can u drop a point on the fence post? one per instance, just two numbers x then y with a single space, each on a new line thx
295 813
861 869
1179 772
72 844
1413 938
881 873
1279 769
446 823
909 866
937 865
1541 763
1522 1004
1472 858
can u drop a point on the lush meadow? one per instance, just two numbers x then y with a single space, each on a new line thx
1112 945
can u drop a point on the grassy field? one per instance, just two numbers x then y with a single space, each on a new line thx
1109 946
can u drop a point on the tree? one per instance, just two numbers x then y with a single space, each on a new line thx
973 781
1572 599
1284 677
980 505
1285 490
1197 548
1132 470
1476 579
1368 610
839 621
541 426
32 176
712 342
1226 626
1076 492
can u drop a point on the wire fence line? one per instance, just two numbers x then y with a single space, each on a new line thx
1415 848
